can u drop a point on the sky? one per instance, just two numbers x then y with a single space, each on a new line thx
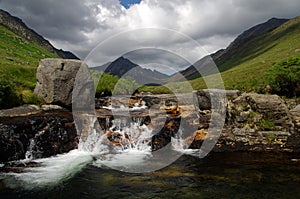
83 25
128 3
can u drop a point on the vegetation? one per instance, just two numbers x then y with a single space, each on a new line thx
8 95
266 125
19 59
271 138
271 59
248 69
284 78
251 63
108 85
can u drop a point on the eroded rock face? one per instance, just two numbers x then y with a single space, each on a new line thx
55 80
37 135
254 122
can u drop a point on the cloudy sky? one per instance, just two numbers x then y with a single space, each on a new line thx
80 25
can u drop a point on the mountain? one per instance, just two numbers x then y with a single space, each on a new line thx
21 49
222 57
18 27
245 66
123 67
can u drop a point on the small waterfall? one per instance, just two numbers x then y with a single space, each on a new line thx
124 144
90 139
181 145
124 134
29 153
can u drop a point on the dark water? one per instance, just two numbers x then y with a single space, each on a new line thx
221 175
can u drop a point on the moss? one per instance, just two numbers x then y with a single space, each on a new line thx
271 138
252 114
266 125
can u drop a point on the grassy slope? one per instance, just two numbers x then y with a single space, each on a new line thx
247 69
249 66
19 59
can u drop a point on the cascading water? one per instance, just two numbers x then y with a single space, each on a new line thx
29 152
125 143
182 146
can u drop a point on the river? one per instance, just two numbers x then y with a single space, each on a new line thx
219 175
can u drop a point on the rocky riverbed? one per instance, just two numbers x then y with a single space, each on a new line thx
254 122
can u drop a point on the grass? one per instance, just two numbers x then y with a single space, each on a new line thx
108 85
19 59
247 69
266 125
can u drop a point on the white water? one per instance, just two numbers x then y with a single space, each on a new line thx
94 149
52 171
181 146
136 107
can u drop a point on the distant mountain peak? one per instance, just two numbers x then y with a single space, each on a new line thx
124 67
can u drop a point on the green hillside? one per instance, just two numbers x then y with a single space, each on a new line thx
247 69
19 59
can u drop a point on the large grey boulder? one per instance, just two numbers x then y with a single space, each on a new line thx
55 80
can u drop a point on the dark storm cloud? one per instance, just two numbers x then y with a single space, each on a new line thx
65 20
79 25
156 58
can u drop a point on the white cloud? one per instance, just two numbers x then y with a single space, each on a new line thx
79 25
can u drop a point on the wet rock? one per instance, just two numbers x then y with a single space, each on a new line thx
164 135
40 135
18 166
195 141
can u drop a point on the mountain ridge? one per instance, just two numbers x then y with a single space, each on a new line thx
224 55
123 67
17 26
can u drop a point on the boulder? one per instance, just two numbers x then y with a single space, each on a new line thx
55 80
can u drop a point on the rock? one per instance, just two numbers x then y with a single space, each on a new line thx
24 110
51 107
296 112
269 109
42 135
55 80
216 97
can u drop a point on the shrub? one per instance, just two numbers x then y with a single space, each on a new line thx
284 78
8 94
28 97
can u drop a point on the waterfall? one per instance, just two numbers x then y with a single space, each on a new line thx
124 134
29 153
